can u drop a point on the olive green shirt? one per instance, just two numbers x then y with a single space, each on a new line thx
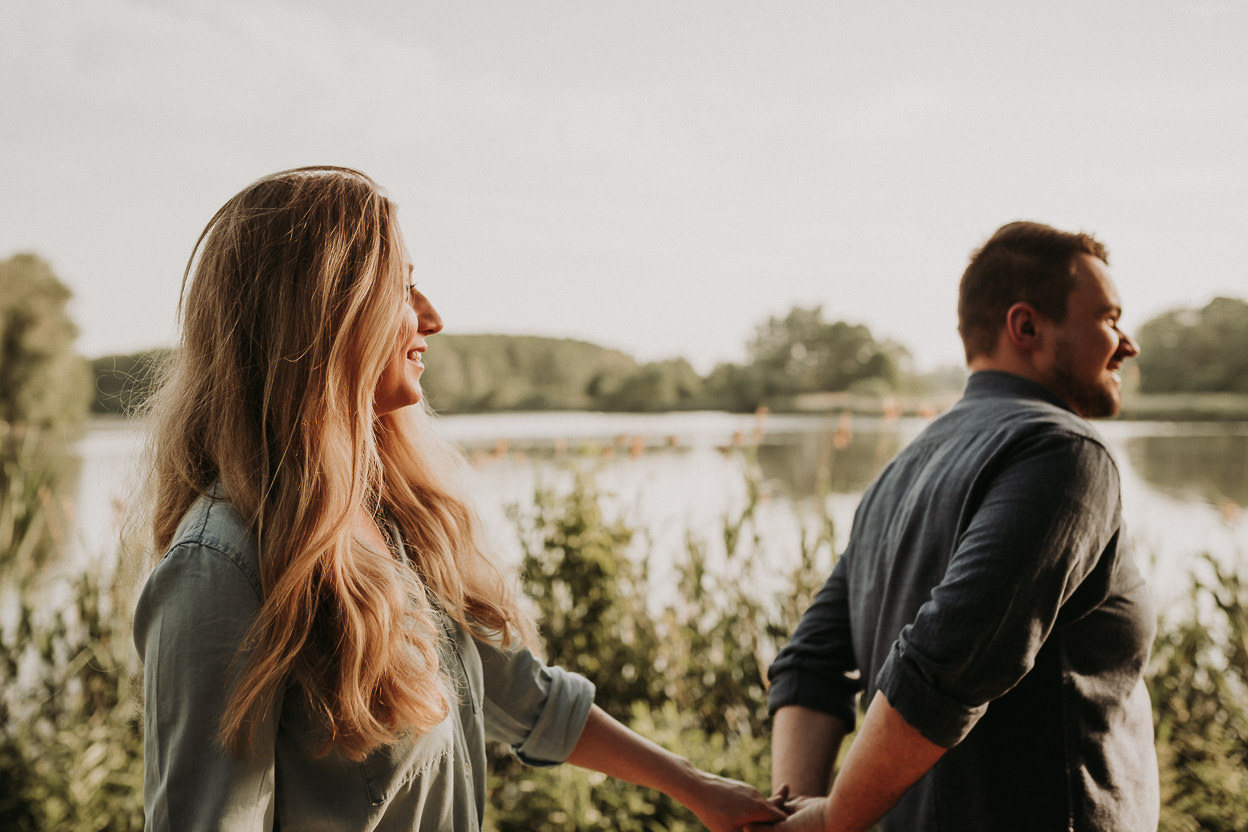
191 619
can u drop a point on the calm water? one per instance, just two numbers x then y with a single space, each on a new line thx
1185 485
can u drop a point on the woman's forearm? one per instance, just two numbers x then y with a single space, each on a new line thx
607 746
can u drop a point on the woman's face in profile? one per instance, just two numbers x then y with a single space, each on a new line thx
399 384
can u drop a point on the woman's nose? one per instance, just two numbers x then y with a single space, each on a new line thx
427 317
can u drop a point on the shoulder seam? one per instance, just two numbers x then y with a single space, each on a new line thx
197 535
231 557
1089 436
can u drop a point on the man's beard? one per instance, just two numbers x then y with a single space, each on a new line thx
1090 400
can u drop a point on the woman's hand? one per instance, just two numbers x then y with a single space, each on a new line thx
726 805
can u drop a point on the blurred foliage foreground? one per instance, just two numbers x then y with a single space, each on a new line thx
679 657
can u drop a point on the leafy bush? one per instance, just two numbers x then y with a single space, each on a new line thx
70 741
1200 704
70 746
686 671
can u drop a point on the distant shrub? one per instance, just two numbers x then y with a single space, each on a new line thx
124 383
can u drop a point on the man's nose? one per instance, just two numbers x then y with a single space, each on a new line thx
1127 347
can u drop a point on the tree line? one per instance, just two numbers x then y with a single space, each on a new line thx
1196 350
792 356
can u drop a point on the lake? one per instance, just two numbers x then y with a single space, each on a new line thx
1185 484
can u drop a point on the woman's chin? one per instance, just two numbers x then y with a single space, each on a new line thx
396 401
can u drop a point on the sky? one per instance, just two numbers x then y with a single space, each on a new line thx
657 177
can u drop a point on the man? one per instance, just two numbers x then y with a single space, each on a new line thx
987 604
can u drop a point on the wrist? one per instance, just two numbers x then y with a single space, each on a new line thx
685 781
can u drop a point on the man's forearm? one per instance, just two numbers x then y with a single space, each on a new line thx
804 747
887 757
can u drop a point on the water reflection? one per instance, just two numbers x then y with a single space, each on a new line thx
1208 468
828 461
1185 485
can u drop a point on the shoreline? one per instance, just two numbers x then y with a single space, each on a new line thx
1136 407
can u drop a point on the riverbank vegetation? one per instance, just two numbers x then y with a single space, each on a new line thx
1193 366
677 643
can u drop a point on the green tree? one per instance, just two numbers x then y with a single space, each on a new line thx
803 353
656 386
43 382
43 397
735 387
469 373
1196 350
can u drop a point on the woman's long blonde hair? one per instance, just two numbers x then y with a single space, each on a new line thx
291 305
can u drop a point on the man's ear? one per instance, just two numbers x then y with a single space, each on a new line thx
1022 327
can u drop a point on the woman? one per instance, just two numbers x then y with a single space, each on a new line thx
325 643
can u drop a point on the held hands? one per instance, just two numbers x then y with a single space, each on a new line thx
794 803
725 805
804 813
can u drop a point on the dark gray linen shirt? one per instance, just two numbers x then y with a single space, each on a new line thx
191 619
987 590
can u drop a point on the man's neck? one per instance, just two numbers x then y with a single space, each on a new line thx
1006 362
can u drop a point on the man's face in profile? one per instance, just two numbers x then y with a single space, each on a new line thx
1088 349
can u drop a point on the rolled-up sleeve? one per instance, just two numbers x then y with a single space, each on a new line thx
538 710
192 617
817 668
1031 542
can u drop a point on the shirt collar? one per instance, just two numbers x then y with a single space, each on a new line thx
995 383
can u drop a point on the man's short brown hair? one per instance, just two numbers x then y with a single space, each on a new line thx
1023 262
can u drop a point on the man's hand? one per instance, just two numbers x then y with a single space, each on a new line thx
887 757
808 816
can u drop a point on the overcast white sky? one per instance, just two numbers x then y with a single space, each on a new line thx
653 176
